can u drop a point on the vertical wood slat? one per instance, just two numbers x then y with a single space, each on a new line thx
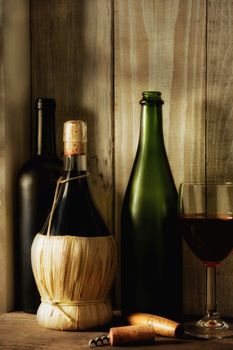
3 245
160 45
220 119
72 62
14 127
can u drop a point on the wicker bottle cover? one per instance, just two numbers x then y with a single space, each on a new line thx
73 273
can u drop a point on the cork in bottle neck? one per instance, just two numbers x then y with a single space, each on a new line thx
75 137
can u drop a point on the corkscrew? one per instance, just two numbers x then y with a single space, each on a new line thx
142 329
99 341
125 335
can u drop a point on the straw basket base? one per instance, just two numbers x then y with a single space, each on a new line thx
74 276
73 318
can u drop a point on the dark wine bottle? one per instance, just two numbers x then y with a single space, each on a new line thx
150 240
36 182
76 213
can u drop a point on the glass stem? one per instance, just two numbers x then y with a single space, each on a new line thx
211 298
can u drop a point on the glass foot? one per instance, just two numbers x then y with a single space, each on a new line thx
208 328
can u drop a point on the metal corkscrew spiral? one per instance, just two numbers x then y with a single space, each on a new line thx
99 341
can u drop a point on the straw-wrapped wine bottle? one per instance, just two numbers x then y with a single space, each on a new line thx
74 261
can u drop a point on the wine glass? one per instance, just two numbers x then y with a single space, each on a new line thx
206 218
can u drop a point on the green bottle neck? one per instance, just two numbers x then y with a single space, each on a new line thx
151 130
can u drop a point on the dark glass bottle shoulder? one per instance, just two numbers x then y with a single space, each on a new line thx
38 165
76 213
151 178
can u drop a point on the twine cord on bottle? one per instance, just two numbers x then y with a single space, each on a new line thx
73 302
60 181
58 304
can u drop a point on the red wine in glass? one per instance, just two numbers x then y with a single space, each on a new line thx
209 237
206 221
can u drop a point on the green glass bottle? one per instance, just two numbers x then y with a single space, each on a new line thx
150 240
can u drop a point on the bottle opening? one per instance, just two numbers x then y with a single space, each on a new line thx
151 96
45 103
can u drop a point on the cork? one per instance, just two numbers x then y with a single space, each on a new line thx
161 325
75 137
131 335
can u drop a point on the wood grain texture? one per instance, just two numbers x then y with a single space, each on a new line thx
14 126
219 119
160 45
3 259
20 331
220 90
72 62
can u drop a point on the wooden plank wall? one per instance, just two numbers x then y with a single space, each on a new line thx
219 117
72 62
97 56
14 126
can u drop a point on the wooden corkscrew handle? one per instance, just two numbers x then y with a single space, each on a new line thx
161 325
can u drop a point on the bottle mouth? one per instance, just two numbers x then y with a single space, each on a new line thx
151 97
47 103
151 94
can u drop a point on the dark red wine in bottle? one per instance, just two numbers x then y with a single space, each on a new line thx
36 182
210 238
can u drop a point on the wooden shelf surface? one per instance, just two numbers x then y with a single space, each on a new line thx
20 331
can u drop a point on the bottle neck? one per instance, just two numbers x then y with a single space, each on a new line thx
45 133
151 130
75 163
